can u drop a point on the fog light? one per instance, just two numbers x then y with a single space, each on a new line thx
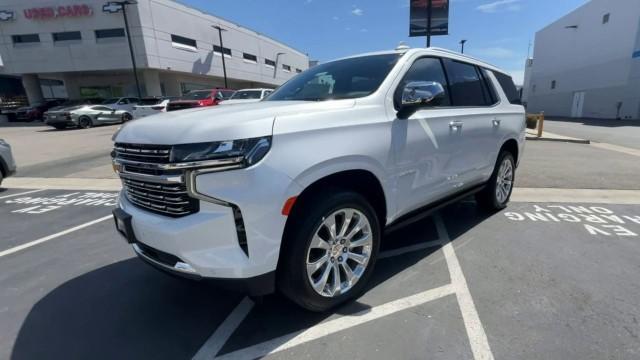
184 267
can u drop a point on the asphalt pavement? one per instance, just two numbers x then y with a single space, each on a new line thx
616 132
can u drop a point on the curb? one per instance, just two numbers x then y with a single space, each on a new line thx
575 141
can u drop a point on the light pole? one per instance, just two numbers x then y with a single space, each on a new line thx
275 68
462 42
429 15
224 65
116 6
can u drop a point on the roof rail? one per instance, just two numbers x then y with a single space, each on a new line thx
460 54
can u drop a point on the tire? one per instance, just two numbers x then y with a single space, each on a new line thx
1 177
85 122
496 194
126 117
309 227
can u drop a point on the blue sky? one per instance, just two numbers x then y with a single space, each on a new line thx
498 31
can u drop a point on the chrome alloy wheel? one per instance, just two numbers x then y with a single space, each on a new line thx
504 180
339 252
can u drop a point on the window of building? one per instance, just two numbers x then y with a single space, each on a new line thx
533 88
183 42
286 68
250 58
424 69
25 39
605 18
298 70
67 36
553 84
109 33
466 85
509 88
269 63
217 50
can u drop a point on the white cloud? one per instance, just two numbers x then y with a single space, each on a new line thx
335 18
494 52
500 5
363 30
357 11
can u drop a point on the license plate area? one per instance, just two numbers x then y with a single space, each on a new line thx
123 225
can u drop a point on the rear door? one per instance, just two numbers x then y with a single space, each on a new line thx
474 113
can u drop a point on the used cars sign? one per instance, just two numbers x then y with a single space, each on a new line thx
419 18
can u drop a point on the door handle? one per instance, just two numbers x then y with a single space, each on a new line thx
496 122
455 125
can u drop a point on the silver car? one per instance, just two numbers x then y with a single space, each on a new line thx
7 163
86 116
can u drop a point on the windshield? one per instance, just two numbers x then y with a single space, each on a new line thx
111 101
197 95
341 79
246 94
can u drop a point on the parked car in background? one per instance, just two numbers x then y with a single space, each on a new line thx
86 116
150 106
7 163
122 103
36 111
295 192
247 96
76 102
200 98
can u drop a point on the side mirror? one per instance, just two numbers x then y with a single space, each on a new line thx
420 94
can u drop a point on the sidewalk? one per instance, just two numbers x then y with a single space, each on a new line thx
532 134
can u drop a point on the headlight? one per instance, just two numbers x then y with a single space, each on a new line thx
247 151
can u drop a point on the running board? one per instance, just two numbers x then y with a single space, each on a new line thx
425 212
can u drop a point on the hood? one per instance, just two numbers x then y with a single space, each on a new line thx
238 101
216 123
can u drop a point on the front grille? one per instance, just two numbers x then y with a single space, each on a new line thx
157 154
165 199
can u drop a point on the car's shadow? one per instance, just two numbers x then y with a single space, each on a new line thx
128 310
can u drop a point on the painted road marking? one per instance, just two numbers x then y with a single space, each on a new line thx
475 331
617 148
592 196
51 237
79 184
43 204
217 340
342 323
22 193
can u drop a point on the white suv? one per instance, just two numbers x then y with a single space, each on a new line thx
293 192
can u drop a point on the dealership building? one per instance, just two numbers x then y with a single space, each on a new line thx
82 46
587 64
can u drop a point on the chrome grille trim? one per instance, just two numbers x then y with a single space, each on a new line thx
166 199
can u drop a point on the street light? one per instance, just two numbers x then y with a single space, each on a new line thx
224 65
116 6
275 68
462 42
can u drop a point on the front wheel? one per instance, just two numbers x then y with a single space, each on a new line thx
85 122
330 250
496 194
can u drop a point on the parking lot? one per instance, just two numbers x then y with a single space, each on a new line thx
552 276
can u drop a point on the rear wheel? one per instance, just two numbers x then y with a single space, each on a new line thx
330 250
126 117
85 122
495 196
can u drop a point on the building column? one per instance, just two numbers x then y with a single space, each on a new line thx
31 84
152 83
71 86
171 85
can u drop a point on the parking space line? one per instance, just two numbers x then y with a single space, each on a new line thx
51 237
475 331
409 249
22 193
342 323
217 340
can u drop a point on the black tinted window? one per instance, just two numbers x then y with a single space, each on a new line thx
109 33
425 69
509 88
26 38
467 87
176 39
67 36
341 79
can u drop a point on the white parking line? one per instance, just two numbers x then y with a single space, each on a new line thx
22 193
51 237
339 324
475 331
217 340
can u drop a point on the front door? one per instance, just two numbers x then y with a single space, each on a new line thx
578 104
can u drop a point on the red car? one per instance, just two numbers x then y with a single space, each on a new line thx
199 98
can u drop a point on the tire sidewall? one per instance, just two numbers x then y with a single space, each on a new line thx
84 119
298 245
494 180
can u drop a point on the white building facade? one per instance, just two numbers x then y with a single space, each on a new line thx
83 44
587 64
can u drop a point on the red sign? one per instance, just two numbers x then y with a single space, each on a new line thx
45 13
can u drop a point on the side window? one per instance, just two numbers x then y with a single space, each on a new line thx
123 102
509 88
424 69
467 87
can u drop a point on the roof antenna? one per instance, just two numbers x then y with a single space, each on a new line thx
402 46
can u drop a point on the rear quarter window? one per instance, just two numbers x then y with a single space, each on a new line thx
509 88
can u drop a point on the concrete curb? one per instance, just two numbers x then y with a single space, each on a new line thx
575 141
